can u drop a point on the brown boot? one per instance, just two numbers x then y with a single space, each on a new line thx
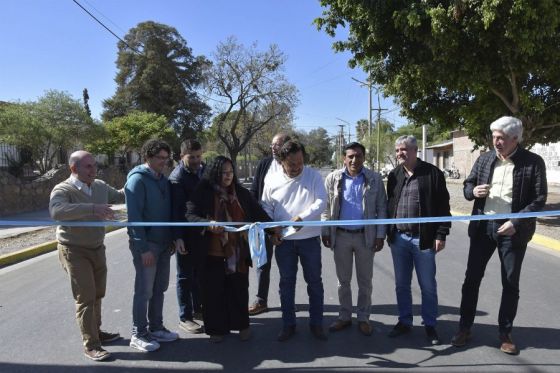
338 325
507 345
461 338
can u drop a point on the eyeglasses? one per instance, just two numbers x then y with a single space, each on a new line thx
161 157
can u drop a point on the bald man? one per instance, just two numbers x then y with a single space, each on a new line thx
81 251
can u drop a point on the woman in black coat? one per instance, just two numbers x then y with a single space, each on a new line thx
224 256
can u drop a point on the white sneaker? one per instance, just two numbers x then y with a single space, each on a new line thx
164 335
144 343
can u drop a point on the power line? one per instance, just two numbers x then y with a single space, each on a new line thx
106 28
90 5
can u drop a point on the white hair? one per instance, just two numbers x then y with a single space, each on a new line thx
511 126
408 140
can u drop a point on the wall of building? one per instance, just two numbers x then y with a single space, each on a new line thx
464 158
463 154
551 156
20 195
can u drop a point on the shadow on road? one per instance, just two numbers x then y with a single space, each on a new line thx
232 355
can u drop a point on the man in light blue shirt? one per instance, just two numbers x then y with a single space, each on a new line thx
354 193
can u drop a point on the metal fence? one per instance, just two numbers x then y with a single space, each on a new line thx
8 151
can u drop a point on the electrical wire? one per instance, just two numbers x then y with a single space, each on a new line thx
106 28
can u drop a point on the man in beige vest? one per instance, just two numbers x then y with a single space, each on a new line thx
81 250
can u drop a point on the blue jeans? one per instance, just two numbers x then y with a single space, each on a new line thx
406 257
149 285
188 296
287 254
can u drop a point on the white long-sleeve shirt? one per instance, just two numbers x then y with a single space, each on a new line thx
305 196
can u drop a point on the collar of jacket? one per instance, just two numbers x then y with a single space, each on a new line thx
368 174
420 167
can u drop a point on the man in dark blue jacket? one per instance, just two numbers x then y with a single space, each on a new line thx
265 169
508 179
184 179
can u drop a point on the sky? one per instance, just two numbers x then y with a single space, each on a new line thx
53 44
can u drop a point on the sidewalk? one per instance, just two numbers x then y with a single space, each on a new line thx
11 231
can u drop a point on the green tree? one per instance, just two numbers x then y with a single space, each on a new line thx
459 63
85 96
48 127
362 129
318 146
386 141
158 73
260 143
128 133
252 91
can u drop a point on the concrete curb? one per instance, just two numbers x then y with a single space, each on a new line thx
549 243
33 251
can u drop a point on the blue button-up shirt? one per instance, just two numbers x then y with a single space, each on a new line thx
351 207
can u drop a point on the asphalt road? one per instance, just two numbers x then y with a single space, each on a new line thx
38 332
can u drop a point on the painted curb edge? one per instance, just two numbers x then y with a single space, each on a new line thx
539 239
33 251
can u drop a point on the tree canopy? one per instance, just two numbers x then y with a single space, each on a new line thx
318 146
158 73
251 92
55 122
459 64
129 132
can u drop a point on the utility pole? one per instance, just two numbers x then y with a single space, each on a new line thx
379 110
341 140
349 127
370 87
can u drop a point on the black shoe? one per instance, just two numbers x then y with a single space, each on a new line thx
286 333
432 335
107 337
399 330
318 332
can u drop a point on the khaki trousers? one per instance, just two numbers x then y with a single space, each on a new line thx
87 270
350 247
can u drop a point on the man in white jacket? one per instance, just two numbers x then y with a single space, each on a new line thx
298 194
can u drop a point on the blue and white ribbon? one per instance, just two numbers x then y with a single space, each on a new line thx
256 234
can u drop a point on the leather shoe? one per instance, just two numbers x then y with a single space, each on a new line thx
461 338
318 332
399 330
257 308
507 345
338 325
432 335
365 328
286 333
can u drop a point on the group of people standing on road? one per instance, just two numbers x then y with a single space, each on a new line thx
213 262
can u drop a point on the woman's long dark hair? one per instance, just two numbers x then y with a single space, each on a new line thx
213 171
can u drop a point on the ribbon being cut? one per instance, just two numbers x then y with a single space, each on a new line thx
256 232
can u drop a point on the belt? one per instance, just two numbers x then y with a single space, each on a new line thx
360 230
